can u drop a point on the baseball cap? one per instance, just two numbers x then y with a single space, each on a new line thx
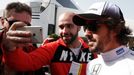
97 11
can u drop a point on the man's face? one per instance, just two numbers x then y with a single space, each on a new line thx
99 38
15 17
92 40
67 29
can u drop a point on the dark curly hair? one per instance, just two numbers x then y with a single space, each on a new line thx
119 27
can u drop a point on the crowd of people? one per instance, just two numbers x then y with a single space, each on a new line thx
104 52
62 55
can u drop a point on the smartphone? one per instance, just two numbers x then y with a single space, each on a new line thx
36 31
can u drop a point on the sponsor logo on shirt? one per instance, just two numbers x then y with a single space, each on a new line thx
120 51
96 69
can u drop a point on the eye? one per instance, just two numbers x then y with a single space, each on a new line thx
61 26
69 26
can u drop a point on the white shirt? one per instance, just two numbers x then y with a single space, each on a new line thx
119 61
76 51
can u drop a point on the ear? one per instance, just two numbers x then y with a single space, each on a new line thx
2 21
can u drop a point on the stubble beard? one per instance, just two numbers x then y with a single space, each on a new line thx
73 38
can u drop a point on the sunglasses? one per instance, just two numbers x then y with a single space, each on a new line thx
12 21
91 25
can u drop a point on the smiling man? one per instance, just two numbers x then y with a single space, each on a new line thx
104 26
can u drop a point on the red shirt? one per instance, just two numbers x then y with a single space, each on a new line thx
56 54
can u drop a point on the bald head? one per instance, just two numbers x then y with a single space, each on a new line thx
66 16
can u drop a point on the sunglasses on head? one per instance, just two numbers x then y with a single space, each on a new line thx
12 21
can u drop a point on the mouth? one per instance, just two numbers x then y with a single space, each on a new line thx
66 37
91 43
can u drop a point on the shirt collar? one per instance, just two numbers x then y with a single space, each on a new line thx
115 53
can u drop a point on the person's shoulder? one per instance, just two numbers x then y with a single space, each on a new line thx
130 59
130 54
